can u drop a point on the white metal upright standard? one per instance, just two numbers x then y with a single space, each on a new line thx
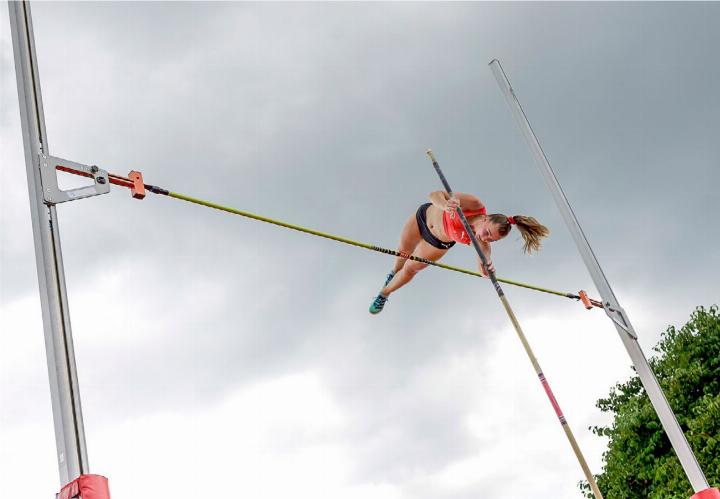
612 307
67 412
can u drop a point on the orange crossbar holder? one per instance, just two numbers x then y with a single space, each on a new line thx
584 298
138 187
86 487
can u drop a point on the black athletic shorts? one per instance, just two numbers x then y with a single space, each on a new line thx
421 217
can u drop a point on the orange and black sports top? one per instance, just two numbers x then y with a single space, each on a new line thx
454 228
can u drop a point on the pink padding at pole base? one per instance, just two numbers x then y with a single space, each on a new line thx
712 493
86 487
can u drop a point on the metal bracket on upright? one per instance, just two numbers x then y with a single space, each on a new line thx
52 194
617 315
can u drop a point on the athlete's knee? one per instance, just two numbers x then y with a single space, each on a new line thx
412 268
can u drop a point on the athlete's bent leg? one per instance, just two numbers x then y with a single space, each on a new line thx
411 268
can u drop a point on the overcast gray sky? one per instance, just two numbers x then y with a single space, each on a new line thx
220 356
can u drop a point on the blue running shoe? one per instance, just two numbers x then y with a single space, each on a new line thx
378 304
389 278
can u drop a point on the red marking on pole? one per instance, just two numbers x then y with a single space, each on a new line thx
550 395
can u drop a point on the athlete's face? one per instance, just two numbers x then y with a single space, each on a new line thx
488 232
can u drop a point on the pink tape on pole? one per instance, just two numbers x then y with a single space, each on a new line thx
86 487
551 396
712 493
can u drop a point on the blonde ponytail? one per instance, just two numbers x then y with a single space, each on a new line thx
530 229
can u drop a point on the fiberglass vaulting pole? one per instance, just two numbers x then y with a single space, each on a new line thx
67 412
611 306
523 339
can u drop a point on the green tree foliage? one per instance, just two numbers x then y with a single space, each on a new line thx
640 462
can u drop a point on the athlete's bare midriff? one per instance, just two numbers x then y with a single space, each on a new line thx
434 216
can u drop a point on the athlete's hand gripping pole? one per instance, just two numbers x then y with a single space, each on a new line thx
568 432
